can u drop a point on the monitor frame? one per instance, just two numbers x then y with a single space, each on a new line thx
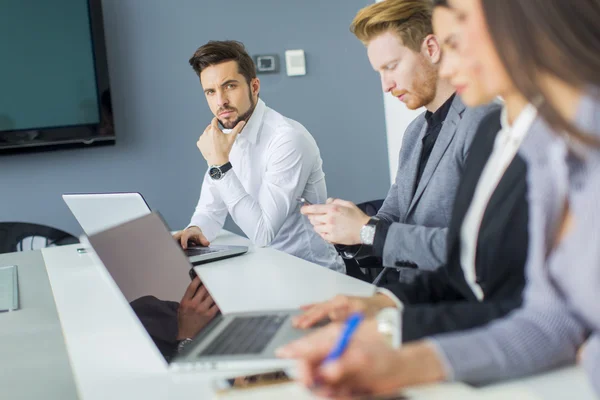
73 136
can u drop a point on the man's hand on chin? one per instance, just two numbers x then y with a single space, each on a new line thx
215 145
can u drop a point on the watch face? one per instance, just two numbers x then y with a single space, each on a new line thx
215 173
367 234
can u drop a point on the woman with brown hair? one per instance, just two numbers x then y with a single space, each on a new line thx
549 50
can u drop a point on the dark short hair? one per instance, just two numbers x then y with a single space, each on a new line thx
217 52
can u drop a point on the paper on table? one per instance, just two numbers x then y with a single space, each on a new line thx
9 288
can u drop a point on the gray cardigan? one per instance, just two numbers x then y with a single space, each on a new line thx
560 308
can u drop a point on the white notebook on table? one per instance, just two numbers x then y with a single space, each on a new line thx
9 288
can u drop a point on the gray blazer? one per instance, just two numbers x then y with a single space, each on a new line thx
560 308
420 222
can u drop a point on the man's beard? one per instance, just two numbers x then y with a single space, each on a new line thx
244 117
426 82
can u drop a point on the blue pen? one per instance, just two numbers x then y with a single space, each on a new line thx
352 324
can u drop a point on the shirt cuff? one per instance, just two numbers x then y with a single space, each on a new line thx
399 305
209 229
398 322
448 371
230 188
379 240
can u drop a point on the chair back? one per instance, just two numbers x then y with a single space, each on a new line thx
23 236
353 269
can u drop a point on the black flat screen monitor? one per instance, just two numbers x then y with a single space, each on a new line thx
54 83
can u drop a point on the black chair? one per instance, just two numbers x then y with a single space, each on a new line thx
18 236
371 265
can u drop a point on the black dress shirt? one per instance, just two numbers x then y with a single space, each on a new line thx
434 126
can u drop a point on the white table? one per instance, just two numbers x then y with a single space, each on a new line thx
110 353
33 357
112 357
564 383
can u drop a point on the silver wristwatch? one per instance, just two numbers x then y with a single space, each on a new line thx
217 172
389 326
367 232
183 344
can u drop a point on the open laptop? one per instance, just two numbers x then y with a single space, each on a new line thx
97 212
229 342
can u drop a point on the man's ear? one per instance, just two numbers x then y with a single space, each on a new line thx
431 49
255 86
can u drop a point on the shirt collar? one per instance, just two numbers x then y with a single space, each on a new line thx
440 114
250 131
522 122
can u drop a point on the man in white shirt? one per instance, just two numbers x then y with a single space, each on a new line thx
259 168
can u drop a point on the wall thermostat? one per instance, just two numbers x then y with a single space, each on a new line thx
295 63
267 63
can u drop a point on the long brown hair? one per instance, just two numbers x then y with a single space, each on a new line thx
560 37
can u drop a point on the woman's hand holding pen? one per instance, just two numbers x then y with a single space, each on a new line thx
369 365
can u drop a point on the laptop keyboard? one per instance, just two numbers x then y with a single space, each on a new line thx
245 335
199 251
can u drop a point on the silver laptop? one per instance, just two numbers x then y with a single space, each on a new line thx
233 341
97 212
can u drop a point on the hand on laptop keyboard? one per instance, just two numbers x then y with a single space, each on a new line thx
196 309
191 236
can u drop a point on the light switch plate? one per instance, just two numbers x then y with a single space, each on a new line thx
266 63
295 62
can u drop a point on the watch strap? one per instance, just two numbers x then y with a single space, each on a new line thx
225 167
217 172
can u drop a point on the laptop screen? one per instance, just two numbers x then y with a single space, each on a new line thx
149 267
97 212
143 259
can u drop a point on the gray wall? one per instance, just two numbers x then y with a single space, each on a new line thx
160 110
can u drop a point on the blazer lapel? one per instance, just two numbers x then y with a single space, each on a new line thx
462 203
408 165
516 169
481 149
441 144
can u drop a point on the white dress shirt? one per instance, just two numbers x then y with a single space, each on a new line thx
275 160
505 148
